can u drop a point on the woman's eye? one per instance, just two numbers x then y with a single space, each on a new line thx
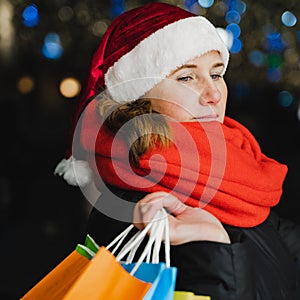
216 76
184 78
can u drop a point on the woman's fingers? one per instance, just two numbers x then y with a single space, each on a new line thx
146 209
159 200
186 223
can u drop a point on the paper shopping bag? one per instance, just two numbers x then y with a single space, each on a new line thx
163 279
182 295
105 278
56 283
165 285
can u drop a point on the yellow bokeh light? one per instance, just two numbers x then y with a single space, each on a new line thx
25 84
70 87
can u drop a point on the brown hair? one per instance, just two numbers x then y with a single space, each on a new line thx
148 128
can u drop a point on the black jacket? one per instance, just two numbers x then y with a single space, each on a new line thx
261 263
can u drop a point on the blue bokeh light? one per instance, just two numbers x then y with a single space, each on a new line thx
285 98
189 4
30 16
52 48
117 8
234 29
274 74
257 58
206 3
233 16
288 19
241 7
236 46
274 42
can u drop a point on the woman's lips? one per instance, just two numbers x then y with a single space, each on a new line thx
206 118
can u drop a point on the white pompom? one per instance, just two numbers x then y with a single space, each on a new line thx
75 172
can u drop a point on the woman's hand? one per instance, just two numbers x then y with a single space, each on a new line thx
186 223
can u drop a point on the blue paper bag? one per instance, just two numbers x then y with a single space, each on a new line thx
163 279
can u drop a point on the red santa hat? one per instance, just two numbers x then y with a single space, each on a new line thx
139 49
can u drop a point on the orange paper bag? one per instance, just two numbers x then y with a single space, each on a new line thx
105 278
56 283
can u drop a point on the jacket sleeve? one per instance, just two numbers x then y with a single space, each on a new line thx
222 271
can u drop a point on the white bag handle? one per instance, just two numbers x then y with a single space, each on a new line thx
158 228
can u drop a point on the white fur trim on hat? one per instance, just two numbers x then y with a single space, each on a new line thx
75 172
155 57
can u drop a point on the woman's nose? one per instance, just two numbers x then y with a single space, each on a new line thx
210 94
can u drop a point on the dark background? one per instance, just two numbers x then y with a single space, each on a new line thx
42 218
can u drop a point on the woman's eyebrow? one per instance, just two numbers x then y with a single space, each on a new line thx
183 67
191 66
218 65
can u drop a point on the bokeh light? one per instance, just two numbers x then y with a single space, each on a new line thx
65 13
52 48
234 29
25 84
240 6
99 28
206 3
233 16
274 42
274 60
236 46
117 8
288 19
69 87
285 98
257 58
7 31
273 74
31 15
189 4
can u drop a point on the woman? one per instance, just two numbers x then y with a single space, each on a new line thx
164 108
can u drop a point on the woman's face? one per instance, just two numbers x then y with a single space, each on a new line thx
194 92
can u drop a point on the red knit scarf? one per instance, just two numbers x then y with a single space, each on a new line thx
219 167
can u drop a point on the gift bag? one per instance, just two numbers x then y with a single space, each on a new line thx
90 272
107 278
160 274
58 281
181 295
